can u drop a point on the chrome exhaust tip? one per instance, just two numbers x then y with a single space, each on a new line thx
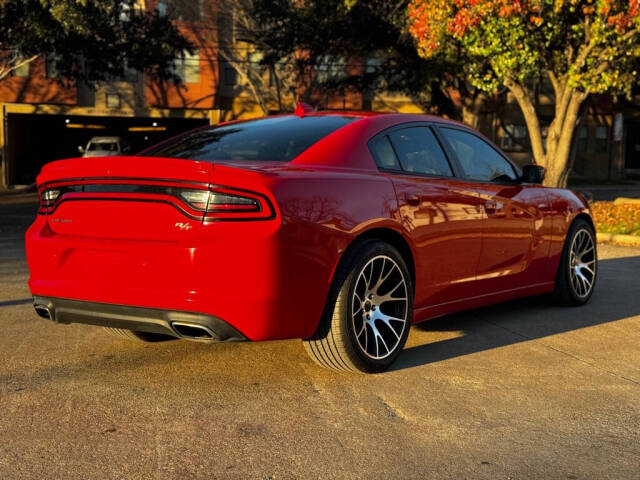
44 311
193 331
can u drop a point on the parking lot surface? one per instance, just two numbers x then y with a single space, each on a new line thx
521 390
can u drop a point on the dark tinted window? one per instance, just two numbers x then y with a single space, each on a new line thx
479 160
275 138
103 146
419 151
385 156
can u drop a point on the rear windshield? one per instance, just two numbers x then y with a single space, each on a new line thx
276 138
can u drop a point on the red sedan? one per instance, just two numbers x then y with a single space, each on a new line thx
337 228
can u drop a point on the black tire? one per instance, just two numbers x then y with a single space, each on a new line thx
138 336
568 292
337 344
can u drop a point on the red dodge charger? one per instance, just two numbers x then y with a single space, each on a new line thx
338 228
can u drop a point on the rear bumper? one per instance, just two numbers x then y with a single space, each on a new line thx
245 273
167 322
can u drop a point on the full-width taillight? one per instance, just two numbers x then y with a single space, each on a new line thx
222 203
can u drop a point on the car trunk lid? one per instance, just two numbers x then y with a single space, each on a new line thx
132 198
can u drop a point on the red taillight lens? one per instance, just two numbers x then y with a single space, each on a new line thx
222 203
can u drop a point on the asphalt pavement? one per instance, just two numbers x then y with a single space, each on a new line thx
516 391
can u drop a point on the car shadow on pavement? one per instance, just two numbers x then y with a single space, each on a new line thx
616 296
96 358
11 303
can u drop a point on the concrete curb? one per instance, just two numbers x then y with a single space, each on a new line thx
624 200
619 239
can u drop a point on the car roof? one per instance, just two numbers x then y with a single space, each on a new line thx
389 117
344 147
362 114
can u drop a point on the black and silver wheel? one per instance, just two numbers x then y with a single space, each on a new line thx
577 272
138 336
368 314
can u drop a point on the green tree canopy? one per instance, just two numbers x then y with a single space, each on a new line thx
87 40
580 46
332 44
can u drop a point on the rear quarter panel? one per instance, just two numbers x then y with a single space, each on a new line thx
323 211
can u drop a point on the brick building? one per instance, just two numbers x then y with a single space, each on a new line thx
606 143
43 120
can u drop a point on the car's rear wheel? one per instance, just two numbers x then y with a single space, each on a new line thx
368 313
138 336
578 268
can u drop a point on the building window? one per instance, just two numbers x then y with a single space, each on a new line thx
189 11
51 70
602 139
331 69
187 67
514 138
583 139
22 70
113 100
230 76
129 74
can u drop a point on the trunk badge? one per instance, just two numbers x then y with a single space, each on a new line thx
183 226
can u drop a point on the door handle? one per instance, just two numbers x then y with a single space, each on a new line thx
412 199
491 206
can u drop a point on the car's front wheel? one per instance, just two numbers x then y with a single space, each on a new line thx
578 268
368 314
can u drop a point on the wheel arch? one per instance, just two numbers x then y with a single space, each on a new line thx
324 345
583 216
387 235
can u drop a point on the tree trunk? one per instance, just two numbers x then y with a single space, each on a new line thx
560 140
470 116
276 80
8 67
471 108
553 154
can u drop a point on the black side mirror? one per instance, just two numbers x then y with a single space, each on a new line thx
532 174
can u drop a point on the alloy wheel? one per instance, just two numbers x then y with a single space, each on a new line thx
582 263
379 307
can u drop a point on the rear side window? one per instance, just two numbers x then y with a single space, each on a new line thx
419 151
275 138
478 159
385 156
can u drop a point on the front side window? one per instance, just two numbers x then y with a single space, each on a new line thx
419 151
479 160
276 138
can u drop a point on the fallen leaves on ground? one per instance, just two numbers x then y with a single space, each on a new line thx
620 219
